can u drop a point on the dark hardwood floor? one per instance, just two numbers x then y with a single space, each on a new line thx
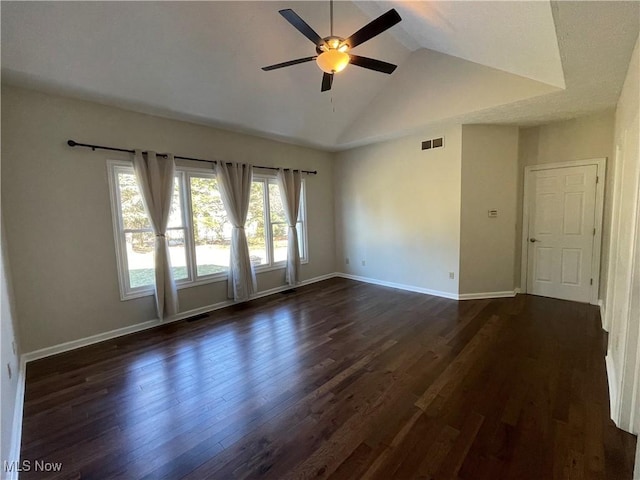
342 380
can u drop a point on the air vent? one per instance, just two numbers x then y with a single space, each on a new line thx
433 143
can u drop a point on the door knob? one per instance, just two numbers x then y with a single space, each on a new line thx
533 240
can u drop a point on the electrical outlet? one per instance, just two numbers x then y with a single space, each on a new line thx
346 261
364 263
9 370
452 275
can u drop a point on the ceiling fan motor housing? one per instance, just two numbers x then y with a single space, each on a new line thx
332 43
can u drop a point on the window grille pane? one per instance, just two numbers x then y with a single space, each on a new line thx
299 228
211 229
279 233
254 228
275 204
140 258
175 216
301 206
134 216
178 254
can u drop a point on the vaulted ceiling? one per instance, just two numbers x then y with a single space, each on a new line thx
470 62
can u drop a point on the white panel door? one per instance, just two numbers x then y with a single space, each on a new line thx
561 232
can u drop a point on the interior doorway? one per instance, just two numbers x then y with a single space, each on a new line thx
562 229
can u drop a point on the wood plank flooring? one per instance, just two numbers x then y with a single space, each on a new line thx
340 380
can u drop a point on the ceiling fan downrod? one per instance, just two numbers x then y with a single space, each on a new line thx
331 16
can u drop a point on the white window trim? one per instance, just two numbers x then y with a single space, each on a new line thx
189 244
192 280
126 293
302 214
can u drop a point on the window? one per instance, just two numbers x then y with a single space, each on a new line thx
211 228
278 226
199 232
269 245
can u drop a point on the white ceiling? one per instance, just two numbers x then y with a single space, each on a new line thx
517 37
504 62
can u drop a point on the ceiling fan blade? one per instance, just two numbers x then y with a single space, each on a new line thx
372 64
327 81
289 63
373 28
302 26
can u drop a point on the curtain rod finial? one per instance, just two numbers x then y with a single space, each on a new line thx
71 143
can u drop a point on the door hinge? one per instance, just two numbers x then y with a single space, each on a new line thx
594 232
591 282
597 179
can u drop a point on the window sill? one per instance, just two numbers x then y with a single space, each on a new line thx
205 281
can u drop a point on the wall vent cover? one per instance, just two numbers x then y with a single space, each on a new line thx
433 143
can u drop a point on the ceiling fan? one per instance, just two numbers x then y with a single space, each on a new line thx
333 53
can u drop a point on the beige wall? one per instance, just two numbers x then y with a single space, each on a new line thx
8 338
489 177
58 215
398 209
622 300
578 139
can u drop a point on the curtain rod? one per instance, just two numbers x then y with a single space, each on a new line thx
73 143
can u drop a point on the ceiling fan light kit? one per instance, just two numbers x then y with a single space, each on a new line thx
332 61
332 51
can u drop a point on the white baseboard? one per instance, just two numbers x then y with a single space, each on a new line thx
436 293
612 380
16 426
636 470
409 288
119 332
478 296
603 323
100 337
83 342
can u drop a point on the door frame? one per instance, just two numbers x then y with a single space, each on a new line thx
601 164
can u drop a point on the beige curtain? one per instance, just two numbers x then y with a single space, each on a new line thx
155 177
234 183
290 183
